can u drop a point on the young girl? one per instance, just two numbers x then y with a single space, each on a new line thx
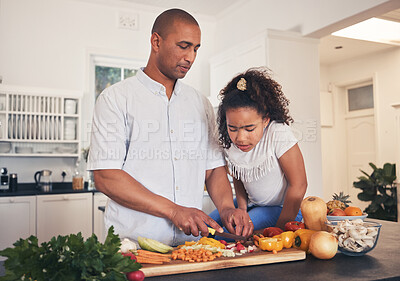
262 153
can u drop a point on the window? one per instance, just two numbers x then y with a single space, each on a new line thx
108 70
106 76
360 98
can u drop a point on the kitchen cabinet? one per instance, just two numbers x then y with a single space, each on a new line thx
64 214
99 200
17 219
39 122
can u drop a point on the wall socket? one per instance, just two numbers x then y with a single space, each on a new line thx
128 21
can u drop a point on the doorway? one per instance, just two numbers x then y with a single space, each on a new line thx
360 134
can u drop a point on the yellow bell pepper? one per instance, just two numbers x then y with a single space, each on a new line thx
287 238
302 239
212 242
270 244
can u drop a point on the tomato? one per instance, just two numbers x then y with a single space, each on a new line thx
240 247
272 231
135 275
223 242
294 225
133 257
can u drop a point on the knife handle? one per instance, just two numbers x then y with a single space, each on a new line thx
211 230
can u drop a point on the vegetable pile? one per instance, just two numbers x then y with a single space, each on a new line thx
68 258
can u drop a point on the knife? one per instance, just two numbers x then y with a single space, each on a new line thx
212 231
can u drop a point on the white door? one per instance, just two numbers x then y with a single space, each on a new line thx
360 152
360 137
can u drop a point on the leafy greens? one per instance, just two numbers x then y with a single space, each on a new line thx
67 258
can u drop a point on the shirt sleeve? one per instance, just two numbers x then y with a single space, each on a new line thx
108 138
215 156
284 139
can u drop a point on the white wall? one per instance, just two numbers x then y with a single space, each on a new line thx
295 64
385 67
46 43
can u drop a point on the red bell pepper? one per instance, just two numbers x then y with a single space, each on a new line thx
272 231
294 225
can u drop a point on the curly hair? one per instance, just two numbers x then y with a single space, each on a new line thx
262 93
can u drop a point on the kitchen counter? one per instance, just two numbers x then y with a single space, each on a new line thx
381 263
26 189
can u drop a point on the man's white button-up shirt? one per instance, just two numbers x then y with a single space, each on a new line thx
165 144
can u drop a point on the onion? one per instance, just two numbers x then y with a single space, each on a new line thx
323 245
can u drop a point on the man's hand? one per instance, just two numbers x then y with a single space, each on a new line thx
193 221
237 221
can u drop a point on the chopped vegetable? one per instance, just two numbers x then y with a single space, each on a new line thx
239 247
287 238
211 242
144 256
194 255
270 244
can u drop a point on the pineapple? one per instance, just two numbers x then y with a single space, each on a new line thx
338 202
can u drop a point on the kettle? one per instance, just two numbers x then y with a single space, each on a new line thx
43 180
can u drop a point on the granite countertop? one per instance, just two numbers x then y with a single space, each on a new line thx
27 189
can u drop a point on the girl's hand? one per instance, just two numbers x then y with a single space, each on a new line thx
237 221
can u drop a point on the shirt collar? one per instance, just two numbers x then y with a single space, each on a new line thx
155 87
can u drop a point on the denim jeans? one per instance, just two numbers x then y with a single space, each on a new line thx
262 216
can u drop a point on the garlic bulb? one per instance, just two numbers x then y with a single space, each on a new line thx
128 245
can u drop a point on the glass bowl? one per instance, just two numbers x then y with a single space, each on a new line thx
356 237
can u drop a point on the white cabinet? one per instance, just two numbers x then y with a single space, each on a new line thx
39 122
17 219
64 214
99 200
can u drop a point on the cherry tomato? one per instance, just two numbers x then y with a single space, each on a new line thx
223 242
135 275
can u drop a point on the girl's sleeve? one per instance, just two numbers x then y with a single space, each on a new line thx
283 139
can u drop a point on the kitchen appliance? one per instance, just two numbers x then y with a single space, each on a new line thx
43 180
4 179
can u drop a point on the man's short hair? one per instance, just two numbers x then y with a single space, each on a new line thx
165 21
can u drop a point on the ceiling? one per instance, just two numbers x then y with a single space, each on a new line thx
205 7
330 51
350 48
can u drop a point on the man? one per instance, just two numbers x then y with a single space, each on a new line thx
154 145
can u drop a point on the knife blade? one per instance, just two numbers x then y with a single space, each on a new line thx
226 235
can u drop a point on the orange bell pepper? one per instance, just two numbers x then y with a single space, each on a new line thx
271 244
287 238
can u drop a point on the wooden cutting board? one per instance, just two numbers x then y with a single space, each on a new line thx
256 258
